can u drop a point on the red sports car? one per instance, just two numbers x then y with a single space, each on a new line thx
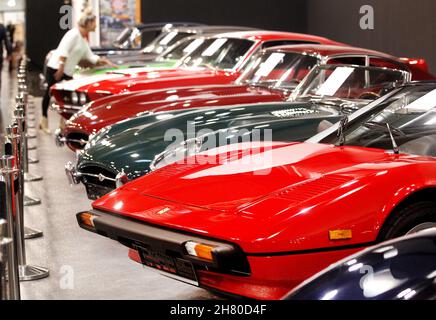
218 59
271 77
259 218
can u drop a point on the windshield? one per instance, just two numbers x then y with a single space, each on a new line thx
411 116
122 40
349 82
164 41
278 69
181 50
221 53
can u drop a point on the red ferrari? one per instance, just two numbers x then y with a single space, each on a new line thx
261 218
218 59
271 77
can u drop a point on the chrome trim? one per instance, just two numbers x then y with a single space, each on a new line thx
60 140
65 108
74 176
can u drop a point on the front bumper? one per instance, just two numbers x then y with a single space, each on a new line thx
168 245
94 191
257 276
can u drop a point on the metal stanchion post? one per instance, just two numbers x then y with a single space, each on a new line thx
19 117
5 246
20 99
22 126
13 137
26 272
22 89
8 172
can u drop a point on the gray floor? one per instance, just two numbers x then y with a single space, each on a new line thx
82 265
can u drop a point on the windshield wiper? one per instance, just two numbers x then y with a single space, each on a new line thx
341 130
384 126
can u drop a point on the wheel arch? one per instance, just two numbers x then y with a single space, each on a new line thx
424 194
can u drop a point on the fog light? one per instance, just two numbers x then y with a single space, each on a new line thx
199 250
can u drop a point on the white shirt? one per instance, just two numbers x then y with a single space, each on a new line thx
75 48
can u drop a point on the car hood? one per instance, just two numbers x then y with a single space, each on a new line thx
135 79
287 201
131 145
152 65
117 108
278 169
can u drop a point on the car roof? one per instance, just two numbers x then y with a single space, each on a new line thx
265 35
330 50
211 29
161 25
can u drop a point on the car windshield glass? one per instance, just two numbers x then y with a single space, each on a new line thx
164 41
221 53
181 50
411 116
278 69
122 40
349 82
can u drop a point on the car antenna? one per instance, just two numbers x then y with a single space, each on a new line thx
341 130
394 143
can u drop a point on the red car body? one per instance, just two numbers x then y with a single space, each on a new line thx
169 78
266 216
112 109
280 220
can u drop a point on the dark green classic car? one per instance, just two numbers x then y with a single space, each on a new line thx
126 150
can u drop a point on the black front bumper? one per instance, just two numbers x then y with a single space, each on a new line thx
228 258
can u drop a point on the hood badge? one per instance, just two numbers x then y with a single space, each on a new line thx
163 211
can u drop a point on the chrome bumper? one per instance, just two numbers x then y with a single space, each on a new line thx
60 140
66 108
74 176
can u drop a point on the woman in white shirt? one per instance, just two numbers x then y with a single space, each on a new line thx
72 49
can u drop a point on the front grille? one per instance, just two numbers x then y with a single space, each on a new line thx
94 187
76 136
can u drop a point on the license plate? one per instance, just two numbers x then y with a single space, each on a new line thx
177 268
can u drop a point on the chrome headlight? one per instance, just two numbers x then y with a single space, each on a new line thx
74 98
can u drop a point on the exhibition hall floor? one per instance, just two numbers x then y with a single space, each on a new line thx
82 265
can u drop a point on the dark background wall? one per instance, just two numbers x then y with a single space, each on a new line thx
43 32
285 15
402 27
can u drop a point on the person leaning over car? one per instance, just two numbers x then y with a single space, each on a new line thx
72 49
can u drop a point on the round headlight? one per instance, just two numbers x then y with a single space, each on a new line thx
83 99
74 98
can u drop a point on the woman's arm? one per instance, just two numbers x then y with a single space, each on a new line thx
96 60
60 73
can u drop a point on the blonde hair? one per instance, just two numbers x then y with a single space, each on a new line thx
86 17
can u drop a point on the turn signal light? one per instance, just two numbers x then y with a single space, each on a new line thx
340 234
87 219
199 250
